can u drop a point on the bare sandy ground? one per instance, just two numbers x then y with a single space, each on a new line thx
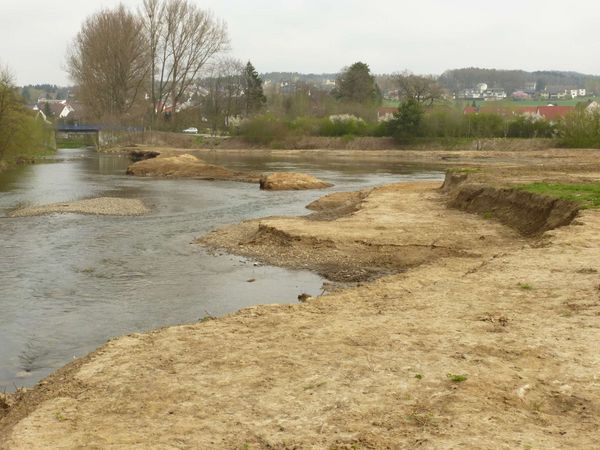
110 206
187 166
479 338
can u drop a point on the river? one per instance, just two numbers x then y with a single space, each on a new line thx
68 283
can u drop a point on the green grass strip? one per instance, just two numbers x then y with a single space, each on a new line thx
586 194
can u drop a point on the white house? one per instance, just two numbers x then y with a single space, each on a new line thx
593 107
494 94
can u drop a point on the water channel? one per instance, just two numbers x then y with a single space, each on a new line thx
70 282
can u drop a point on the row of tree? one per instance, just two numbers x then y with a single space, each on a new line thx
121 59
165 59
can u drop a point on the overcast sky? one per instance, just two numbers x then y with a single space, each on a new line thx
316 36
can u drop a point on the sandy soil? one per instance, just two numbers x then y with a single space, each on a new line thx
109 206
171 165
291 181
478 338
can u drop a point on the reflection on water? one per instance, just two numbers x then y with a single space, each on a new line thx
70 282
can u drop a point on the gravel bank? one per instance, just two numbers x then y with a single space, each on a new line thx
104 206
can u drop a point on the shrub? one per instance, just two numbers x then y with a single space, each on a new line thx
527 127
342 125
580 129
264 130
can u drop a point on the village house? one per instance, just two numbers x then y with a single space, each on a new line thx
385 114
482 92
58 109
551 113
561 92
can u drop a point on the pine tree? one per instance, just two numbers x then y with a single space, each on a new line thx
253 90
357 84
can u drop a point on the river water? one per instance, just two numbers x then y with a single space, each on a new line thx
70 282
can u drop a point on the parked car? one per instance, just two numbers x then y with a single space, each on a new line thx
191 130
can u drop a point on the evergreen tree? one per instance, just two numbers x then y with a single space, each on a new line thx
407 122
254 97
47 111
356 84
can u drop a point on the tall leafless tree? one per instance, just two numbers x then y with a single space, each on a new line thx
225 97
182 39
424 90
108 61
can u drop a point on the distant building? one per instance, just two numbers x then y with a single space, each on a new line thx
59 109
520 95
385 114
550 113
561 92
530 87
494 94
482 92
593 107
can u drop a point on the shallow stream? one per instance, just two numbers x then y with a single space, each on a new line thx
70 282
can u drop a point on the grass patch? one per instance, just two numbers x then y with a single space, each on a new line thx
525 286
455 378
586 194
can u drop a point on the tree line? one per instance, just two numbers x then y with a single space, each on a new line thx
165 64
21 132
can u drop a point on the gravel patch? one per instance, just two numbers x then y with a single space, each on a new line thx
105 206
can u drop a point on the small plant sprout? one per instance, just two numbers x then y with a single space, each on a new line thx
456 378
525 286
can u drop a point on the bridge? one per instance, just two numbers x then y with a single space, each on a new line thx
101 134
77 128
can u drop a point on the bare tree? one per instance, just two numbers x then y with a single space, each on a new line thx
182 39
424 90
225 97
108 60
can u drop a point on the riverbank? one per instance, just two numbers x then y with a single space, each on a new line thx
476 336
348 143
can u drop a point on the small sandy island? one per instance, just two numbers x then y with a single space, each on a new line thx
170 165
102 206
465 316
291 181
187 166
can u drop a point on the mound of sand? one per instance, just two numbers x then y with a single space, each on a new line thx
291 181
105 206
186 166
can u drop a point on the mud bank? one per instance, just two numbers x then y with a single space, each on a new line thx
479 337
358 237
527 212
